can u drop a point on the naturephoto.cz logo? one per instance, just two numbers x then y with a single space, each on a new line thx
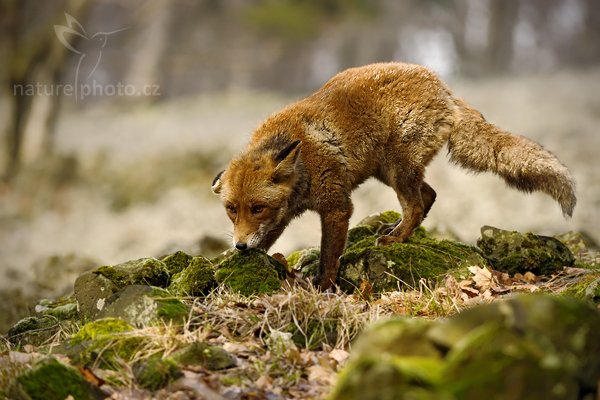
89 48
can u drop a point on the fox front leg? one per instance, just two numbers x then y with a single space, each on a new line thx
334 228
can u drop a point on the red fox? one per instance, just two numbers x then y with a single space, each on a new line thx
383 120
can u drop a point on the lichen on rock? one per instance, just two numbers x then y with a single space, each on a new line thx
141 306
144 271
513 252
251 272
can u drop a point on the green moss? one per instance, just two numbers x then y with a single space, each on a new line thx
587 287
210 357
156 372
390 377
145 271
52 380
176 262
251 272
100 330
389 217
358 233
526 347
196 280
105 340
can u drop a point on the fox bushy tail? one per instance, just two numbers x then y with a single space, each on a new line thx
478 145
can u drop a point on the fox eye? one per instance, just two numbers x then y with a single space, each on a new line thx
257 209
231 209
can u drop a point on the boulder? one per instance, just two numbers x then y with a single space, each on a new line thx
515 252
50 379
397 265
141 306
197 279
251 272
526 347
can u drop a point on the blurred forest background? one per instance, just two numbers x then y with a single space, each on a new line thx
124 172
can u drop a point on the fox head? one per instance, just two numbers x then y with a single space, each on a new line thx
255 190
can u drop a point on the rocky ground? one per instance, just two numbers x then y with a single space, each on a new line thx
133 183
246 325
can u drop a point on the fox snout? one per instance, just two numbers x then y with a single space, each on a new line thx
245 241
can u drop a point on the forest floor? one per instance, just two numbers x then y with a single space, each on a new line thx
133 183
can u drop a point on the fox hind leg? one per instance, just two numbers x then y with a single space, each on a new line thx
416 199
428 196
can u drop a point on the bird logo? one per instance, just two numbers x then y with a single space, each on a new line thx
88 47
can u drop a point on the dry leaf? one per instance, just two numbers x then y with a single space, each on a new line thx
530 277
320 374
482 277
264 382
339 355
89 376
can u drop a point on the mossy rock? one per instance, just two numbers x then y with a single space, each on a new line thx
358 233
144 271
105 340
213 358
156 372
393 266
176 262
91 292
197 279
526 347
529 347
514 252
251 272
33 330
382 338
49 379
306 261
376 220
141 306
587 288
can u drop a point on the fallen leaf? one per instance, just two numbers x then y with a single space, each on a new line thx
530 277
339 355
89 376
321 374
264 382
482 277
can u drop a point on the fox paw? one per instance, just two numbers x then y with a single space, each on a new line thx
387 240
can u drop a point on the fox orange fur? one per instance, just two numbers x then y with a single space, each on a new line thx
385 121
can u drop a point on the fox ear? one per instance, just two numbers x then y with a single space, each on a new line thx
216 184
286 160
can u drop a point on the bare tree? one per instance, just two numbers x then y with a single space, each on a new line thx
35 59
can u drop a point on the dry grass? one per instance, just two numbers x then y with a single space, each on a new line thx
289 344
